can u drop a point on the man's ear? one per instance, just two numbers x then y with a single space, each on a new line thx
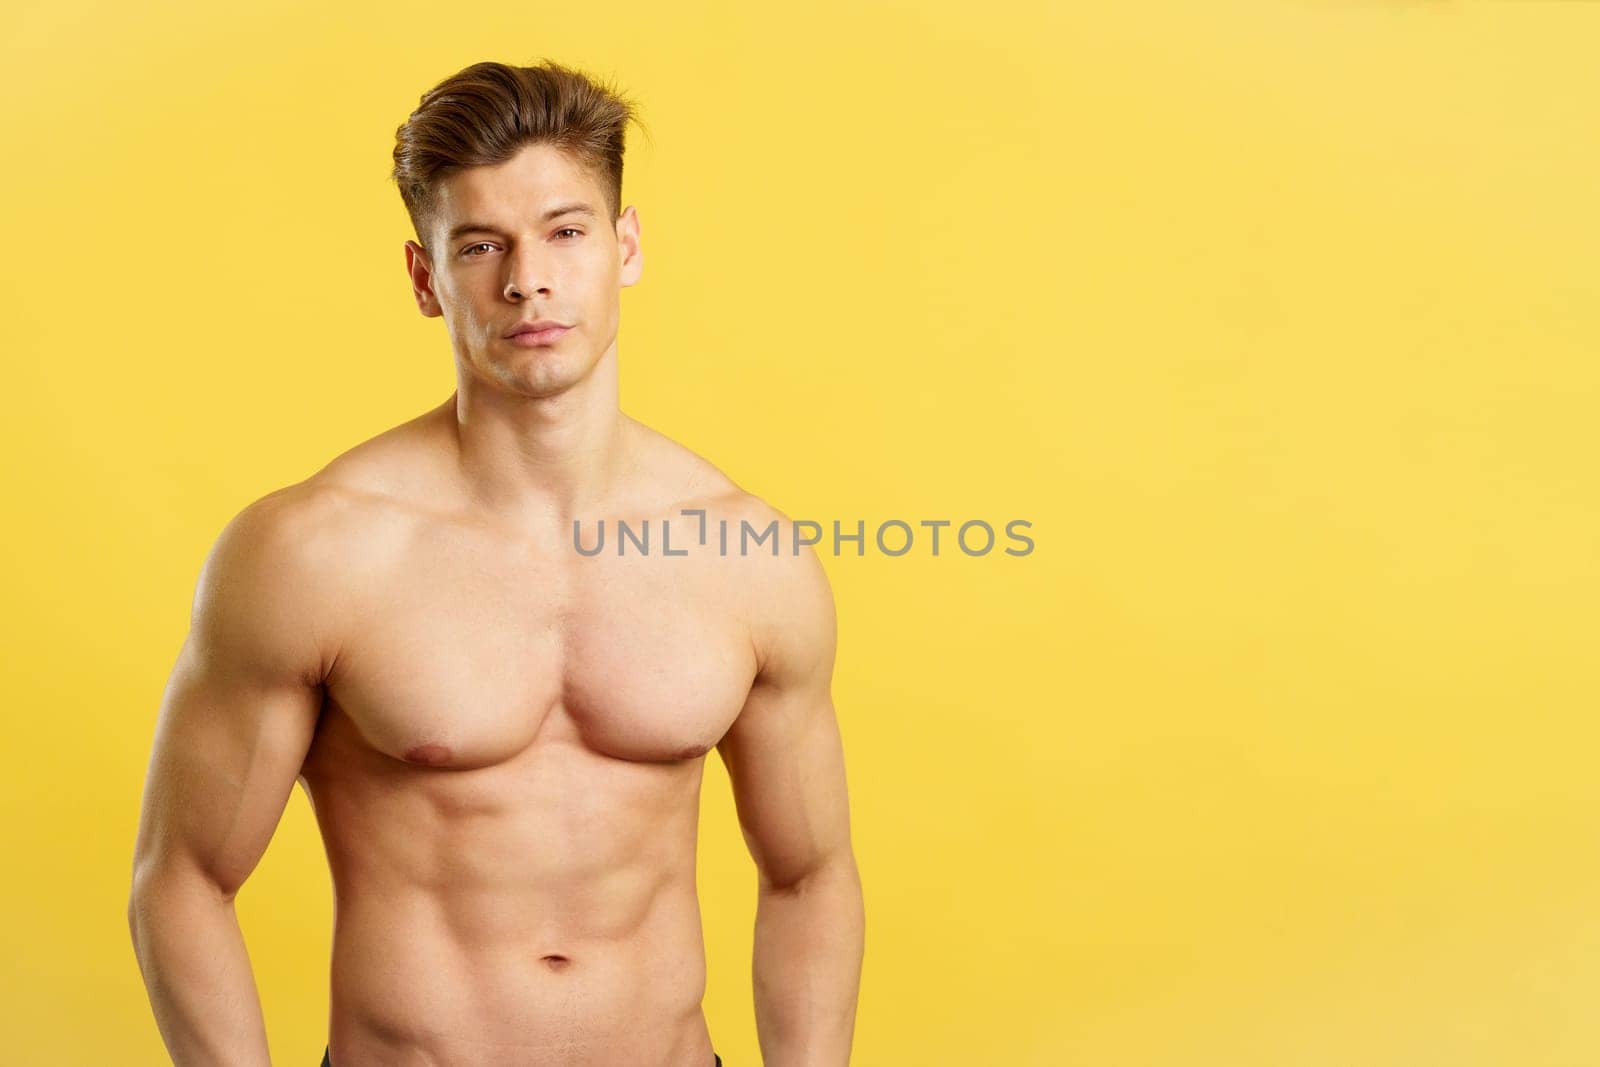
632 254
420 269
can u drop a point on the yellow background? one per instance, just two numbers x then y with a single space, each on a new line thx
1277 320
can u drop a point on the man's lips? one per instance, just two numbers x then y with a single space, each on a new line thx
539 332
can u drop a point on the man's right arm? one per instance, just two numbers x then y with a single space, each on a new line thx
236 720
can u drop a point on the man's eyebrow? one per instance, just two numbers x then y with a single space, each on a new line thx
462 229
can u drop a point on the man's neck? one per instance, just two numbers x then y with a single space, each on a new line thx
540 457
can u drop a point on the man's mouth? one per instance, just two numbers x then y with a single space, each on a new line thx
537 332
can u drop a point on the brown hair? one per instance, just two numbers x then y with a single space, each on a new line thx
487 113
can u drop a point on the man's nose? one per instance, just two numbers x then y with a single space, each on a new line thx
525 276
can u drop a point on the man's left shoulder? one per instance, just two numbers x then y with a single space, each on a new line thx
789 597
777 546
769 554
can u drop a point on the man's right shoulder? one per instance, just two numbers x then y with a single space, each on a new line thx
354 515
307 523
268 595
314 536
284 574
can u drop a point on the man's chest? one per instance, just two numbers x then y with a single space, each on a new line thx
466 660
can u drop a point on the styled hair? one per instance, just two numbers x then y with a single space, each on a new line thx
487 113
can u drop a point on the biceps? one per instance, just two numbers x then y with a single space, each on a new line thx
785 760
226 756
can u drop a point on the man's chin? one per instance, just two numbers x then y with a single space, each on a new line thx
537 372
538 379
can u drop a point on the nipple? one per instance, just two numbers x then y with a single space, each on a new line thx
430 755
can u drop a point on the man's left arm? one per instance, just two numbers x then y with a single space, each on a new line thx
785 760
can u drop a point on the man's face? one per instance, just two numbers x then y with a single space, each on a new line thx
523 240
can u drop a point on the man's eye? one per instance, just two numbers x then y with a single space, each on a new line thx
570 229
468 250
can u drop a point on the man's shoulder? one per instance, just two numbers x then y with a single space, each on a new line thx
669 471
348 513
377 483
290 545
683 479
269 585
302 520
789 600
404 464
778 569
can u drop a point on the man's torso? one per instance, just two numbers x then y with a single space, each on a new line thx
507 766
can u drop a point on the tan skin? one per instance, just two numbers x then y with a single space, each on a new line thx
503 740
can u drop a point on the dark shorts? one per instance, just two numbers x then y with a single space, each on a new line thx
329 1063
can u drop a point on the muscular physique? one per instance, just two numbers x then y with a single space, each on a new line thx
503 739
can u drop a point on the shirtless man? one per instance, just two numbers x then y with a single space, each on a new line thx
502 737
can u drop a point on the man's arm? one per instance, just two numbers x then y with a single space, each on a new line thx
236 721
786 764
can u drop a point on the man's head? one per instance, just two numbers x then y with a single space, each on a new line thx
488 166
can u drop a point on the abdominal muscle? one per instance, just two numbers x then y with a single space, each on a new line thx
493 916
